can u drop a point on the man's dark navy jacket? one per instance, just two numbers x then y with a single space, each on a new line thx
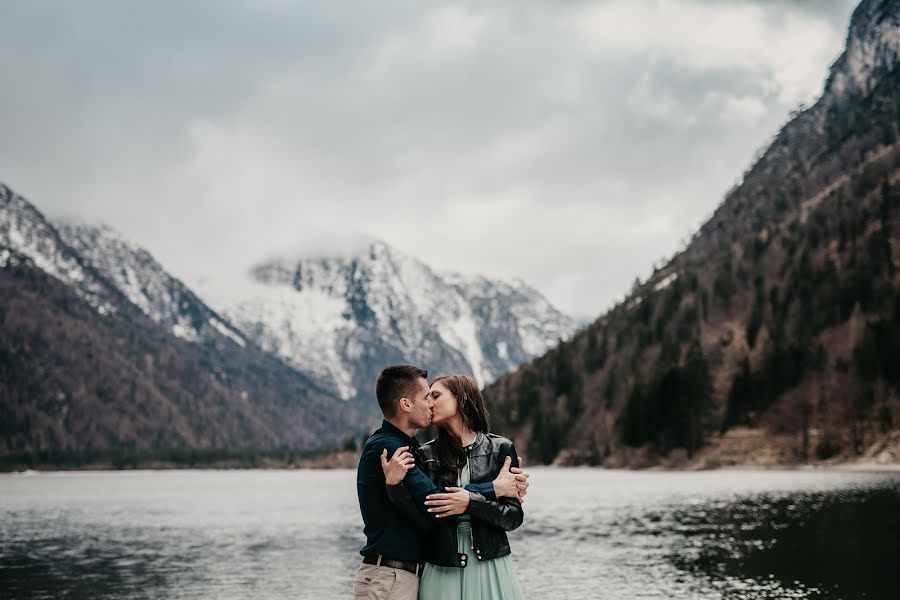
387 531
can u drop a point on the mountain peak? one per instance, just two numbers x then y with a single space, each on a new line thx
341 317
872 47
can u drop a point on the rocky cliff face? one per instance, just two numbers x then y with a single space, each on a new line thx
872 48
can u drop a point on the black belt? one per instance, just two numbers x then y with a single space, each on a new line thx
407 565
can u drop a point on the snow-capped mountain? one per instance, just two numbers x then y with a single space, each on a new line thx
25 231
340 319
103 350
107 270
146 283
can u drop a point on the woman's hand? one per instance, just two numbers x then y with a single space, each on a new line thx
396 468
521 480
511 483
455 502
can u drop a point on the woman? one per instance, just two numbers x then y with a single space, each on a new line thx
468 557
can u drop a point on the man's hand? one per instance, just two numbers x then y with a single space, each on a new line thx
455 502
396 468
511 483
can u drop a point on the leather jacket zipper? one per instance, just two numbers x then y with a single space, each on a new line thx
471 525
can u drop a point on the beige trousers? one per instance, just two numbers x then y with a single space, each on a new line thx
374 582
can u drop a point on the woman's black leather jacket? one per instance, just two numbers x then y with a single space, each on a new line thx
491 518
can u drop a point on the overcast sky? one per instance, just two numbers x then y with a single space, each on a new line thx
569 144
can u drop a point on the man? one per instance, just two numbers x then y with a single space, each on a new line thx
394 547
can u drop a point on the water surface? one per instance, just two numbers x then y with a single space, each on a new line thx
587 534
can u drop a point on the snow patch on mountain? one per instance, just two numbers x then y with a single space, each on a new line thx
146 283
25 230
304 328
227 332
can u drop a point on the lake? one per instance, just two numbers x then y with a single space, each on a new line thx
587 534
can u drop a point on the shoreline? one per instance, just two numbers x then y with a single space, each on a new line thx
741 449
313 465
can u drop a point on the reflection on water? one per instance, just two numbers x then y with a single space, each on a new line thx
587 534
838 544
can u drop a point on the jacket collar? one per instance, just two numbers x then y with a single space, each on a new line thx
477 444
391 428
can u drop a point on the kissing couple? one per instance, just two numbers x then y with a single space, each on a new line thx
436 514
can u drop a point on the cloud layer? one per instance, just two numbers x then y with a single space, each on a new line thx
569 144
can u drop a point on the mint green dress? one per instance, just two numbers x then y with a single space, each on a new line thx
480 580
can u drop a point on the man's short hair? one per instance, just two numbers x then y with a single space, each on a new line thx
395 382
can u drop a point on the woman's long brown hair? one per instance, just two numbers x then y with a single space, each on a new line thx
471 409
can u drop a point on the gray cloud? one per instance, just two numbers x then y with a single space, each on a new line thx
571 145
